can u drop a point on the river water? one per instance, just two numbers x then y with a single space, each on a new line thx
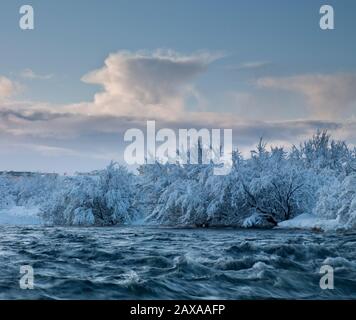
161 263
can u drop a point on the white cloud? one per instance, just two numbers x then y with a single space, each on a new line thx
7 88
30 74
328 95
145 83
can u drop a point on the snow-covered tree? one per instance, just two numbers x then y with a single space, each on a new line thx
322 152
338 201
7 192
273 187
34 190
105 199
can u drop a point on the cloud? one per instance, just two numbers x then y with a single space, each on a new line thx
41 125
30 74
250 65
140 86
328 96
7 88
31 115
40 134
151 83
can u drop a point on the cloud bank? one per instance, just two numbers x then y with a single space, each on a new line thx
328 96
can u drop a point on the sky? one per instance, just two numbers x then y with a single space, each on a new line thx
90 70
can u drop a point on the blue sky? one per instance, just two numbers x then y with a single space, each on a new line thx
265 65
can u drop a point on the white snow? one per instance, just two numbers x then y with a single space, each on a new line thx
20 215
256 221
310 221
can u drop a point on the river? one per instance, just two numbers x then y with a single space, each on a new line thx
163 263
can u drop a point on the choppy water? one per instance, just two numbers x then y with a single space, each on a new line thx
146 263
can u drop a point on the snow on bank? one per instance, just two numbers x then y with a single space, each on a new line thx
259 221
310 221
19 215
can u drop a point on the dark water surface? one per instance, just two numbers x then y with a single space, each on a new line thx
157 263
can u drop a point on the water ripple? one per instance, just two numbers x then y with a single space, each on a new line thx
148 263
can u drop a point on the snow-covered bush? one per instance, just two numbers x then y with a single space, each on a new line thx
321 152
113 196
71 203
181 203
27 190
338 201
174 194
34 190
274 188
7 192
152 181
105 199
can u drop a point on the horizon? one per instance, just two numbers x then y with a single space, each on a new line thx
133 168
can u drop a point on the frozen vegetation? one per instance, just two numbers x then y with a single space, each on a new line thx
311 186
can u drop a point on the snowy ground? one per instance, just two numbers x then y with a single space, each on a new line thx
19 215
310 221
